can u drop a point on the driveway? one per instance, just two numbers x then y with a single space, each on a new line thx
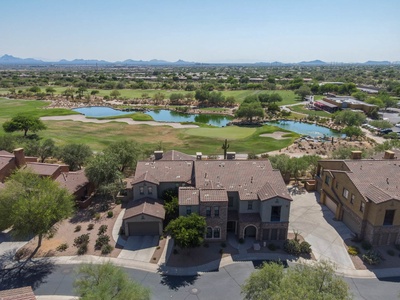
316 224
9 245
140 248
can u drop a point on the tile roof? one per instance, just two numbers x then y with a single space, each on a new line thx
72 181
145 177
166 170
4 152
43 168
377 180
176 155
188 196
213 195
147 206
23 293
4 161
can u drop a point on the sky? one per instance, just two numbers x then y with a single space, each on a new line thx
209 31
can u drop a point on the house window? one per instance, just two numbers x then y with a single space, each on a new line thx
230 201
208 211
362 206
141 190
389 217
209 233
216 211
352 198
345 193
188 210
216 232
250 205
275 213
327 179
149 190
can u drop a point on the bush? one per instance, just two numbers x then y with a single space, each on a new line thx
371 257
272 247
62 247
366 245
78 228
97 216
391 252
106 249
305 247
81 240
353 251
102 229
82 249
90 226
101 241
110 214
292 247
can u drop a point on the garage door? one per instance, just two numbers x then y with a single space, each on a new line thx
143 228
351 223
330 204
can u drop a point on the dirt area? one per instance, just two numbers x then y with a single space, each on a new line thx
200 255
387 260
278 135
159 250
67 231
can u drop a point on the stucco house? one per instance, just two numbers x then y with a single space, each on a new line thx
75 182
245 197
364 194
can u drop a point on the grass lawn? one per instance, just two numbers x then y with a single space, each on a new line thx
134 116
98 136
303 110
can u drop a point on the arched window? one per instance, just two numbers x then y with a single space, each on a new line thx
209 233
217 233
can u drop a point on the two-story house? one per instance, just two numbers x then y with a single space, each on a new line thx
364 194
245 197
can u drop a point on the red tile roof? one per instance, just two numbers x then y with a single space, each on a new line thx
72 181
24 293
213 195
176 155
145 177
166 170
43 169
188 196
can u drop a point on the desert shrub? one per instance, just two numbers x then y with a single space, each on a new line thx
353 251
90 226
391 252
366 245
371 257
106 249
82 249
305 247
272 247
22 253
158 247
78 228
81 240
118 201
102 229
292 247
101 241
62 247
110 214
97 216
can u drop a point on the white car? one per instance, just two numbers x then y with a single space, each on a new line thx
397 125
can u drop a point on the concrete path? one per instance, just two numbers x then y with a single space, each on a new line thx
129 121
7 244
140 248
115 231
315 223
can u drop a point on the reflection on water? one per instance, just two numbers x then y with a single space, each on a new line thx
312 130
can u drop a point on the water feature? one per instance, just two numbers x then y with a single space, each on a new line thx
100 111
311 130
162 115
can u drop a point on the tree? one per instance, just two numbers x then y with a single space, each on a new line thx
249 109
187 231
32 205
349 118
69 92
7 142
75 155
115 94
44 149
50 90
351 131
303 91
317 282
24 123
312 163
125 152
106 281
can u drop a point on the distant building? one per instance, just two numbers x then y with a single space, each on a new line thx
343 102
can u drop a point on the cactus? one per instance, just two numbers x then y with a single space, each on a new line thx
225 146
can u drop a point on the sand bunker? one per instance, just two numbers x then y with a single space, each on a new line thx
278 135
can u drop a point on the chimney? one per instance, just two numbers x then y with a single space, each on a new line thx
199 155
230 155
19 157
158 154
356 154
388 155
64 168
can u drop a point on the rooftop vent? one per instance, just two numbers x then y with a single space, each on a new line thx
158 154
356 154
388 155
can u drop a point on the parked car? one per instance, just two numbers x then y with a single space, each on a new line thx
397 125
386 131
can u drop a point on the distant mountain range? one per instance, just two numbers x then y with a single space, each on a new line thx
11 60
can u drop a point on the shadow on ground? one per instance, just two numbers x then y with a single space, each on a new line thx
177 282
15 274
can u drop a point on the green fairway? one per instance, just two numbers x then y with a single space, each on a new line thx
301 109
205 139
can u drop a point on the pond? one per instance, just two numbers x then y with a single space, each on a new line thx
311 130
162 115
